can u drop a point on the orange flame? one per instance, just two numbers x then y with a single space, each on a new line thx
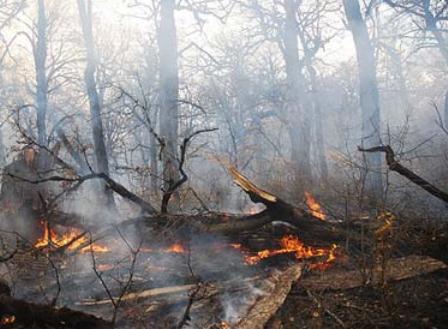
292 244
73 239
314 206
225 325
176 248
7 319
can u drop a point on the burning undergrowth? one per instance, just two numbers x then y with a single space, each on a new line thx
115 270
88 268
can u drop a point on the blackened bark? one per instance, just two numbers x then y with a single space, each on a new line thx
394 165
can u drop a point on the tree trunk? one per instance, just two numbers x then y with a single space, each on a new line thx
317 120
40 59
2 151
299 130
154 165
169 91
369 97
102 163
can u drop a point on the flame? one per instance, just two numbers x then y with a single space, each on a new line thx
104 267
292 244
225 325
176 248
73 239
314 206
7 319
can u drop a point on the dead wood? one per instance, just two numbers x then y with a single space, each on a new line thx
395 270
211 289
394 165
265 307
115 186
256 299
310 228
173 186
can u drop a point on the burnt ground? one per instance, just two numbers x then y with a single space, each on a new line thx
418 302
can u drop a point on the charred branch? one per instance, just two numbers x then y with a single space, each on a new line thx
394 165
113 185
184 177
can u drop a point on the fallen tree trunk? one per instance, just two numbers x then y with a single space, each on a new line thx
247 303
265 307
310 229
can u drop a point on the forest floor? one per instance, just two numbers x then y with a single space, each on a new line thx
418 302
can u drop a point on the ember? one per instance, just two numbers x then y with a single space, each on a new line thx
314 206
176 248
74 240
7 319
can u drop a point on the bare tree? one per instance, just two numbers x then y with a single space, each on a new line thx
430 16
297 98
102 163
369 96
169 90
40 60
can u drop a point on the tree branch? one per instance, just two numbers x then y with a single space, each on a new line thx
394 165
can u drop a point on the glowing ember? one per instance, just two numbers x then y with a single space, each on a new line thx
291 244
176 248
74 239
7 319
314 206
253 210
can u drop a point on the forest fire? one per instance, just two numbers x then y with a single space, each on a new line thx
73 240
292 244
314 206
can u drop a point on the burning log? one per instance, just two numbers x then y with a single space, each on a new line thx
311 224
311 229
